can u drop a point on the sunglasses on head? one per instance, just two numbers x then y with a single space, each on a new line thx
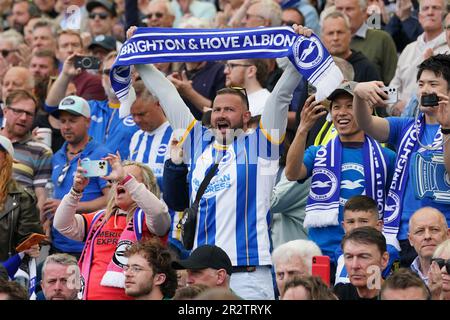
441 263
101 15
243 92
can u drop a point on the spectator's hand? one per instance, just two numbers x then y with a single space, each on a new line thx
371 93
50 206
301 30
176 152
435 281
33 252
181 82
80 181
69 67
403 10
131 30
117 172
428 53
443 111
311 111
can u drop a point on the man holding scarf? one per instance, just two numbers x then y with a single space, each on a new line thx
350 164
423 150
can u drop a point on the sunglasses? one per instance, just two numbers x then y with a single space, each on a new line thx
106 72
101 15
158 15
442 262
242 92
6 52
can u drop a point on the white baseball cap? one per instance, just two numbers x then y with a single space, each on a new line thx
6 144
74 105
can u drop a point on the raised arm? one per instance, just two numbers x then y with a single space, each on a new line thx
368 94
443 116
311 111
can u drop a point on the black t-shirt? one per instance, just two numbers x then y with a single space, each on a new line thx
347 291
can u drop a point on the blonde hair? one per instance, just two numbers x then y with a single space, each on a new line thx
5 178
149 180
442 248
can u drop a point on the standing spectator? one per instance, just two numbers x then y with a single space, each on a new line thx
134 211
22 12
10 290
192 8
148 273
159 13
74 115
32 165
365 257
60 277
441 258
430 42
307 288
17 206
376 45
44 35
427 229
433 76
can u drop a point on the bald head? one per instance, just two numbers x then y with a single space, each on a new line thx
427 229
17 78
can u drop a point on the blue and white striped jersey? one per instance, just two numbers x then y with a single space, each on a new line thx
234 210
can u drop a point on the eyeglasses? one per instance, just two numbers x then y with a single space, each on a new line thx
248 16
158 15
20 112
233 65
442 262
134 269
101 15
6 52
106 72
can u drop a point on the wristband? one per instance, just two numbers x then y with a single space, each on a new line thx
76 194
126 179
445 131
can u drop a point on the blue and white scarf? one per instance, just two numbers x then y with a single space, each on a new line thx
322 208
156 45
394 200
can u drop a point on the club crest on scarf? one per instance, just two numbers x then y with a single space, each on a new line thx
119 258
325 186
308 52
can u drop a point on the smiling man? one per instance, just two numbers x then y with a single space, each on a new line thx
365 255
148 273
339 169
427 229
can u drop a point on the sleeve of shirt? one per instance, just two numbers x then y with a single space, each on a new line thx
395 130
43 169
308 159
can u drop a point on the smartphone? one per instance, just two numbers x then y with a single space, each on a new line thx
34 238
86 62
392 94
321 268
95 168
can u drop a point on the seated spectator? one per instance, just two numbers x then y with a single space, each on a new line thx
133 211
404 284
365 256
441 259
293 258
307 288
102 17
208 265
60 277
11 43
189 293
148 273
427 229
10 290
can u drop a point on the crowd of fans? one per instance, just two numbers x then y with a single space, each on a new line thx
359 180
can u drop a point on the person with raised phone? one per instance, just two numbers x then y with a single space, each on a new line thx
133 212
423 149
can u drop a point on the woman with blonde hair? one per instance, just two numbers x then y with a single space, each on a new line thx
19 216
134 211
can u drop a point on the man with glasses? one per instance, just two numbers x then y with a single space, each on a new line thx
102 17
427 229
159 14
148 273
32 165
250 74
74 115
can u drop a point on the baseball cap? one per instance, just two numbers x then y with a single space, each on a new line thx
106 42
108 5
6 145
344 87
74 105
206 256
